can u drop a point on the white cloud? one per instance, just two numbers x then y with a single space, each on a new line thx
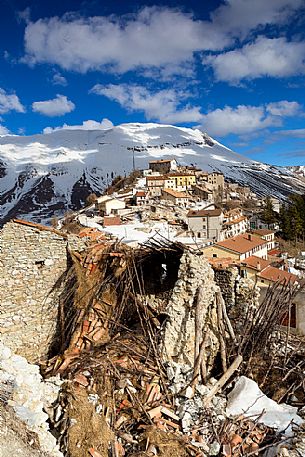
86 125
24 15
154 37
10 102
4 130
296 133
284 108
238 17
162 105
56 107
240 120
273 57
59 80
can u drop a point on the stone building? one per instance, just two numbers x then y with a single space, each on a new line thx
206 224
33 258
235 223
163 165
216 180
155 184
175 197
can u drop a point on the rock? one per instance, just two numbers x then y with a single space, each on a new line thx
214 448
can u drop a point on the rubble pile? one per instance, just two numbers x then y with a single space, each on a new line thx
148 356
23 389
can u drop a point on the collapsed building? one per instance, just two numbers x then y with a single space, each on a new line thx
146 341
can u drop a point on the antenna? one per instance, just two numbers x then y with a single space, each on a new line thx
133 160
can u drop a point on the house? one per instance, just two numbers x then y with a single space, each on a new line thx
235 223
267 235
173 196
140 197
155 185
206 223
266 273
180 181
252 266
202 193
109 205
216 179
270 275
257 223
244 192
238 248
163 166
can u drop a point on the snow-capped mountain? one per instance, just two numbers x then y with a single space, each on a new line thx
46 174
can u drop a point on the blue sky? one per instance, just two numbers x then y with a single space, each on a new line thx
234 68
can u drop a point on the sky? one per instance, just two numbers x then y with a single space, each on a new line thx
233 68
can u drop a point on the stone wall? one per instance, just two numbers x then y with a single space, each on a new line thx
241 295
32 260
226 279
179 333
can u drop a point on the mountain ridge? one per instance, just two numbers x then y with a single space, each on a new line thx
46 174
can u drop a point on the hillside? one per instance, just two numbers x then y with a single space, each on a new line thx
47 174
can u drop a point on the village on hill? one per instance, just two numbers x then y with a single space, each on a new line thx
202 210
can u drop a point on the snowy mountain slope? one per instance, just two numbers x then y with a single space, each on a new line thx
298 170
46 174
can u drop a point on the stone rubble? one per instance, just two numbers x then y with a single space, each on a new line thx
190 407
23 388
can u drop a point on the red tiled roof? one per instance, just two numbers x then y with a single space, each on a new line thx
241 243
274 252
221 263
204 213
92 233
155 178
175 193
275 275
263 232
202 189
140 193
256 263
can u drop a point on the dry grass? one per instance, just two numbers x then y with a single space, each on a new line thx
90 429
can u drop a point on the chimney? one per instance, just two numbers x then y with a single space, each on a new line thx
249 236
258 266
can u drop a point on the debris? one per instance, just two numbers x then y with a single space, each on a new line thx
25 392
246 398
225 377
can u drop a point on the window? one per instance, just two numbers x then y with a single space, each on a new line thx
214 255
